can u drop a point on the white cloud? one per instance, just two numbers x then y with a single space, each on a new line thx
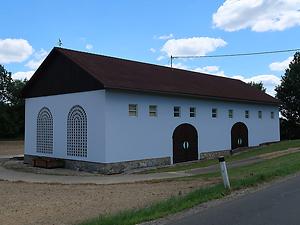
153 50
33 64
89 46
23 75
192 46
269 81
14 50
165 37
210 70
281 66
179 66
213 70
39 57
161 57
259 15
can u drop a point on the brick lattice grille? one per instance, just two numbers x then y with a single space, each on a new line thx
44 141
77 132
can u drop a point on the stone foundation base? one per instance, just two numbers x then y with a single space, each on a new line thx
108 168
214 154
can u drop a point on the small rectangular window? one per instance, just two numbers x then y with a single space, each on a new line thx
132 109
214 113
176 111
247 114
152 110
272 115
259 114
230 113
192 112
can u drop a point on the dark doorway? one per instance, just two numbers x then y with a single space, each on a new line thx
185 143
239 135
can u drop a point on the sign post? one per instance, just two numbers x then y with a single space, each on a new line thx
224 172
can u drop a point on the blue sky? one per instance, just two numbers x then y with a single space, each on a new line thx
150 31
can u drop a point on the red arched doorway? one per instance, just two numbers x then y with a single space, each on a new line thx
239 135
185 143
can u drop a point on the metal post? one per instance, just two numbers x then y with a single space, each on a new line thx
224 172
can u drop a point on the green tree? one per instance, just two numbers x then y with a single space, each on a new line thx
5 83
258 85
11 105
288 92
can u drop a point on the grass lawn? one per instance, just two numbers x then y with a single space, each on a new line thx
243 177
283 145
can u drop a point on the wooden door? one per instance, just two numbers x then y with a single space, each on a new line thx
239 135
185 143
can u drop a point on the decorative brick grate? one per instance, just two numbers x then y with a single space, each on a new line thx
77 132
44 139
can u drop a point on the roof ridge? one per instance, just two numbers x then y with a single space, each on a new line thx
149 64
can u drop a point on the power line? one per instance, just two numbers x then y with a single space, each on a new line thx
232 55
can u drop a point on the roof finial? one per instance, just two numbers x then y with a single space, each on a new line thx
59 43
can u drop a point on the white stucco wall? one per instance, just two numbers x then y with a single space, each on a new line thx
132 138
114 136
92 102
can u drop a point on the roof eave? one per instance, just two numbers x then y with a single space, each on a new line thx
276 103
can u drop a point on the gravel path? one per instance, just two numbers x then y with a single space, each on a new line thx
57 204
11 148
65 204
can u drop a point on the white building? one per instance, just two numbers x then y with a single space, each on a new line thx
108 114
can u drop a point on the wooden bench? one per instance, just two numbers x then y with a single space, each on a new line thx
48 163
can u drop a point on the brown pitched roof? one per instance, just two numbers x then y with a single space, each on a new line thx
115 73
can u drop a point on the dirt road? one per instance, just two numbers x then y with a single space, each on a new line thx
55 204
11 148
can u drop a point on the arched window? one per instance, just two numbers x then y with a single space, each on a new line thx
44 134
77 132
